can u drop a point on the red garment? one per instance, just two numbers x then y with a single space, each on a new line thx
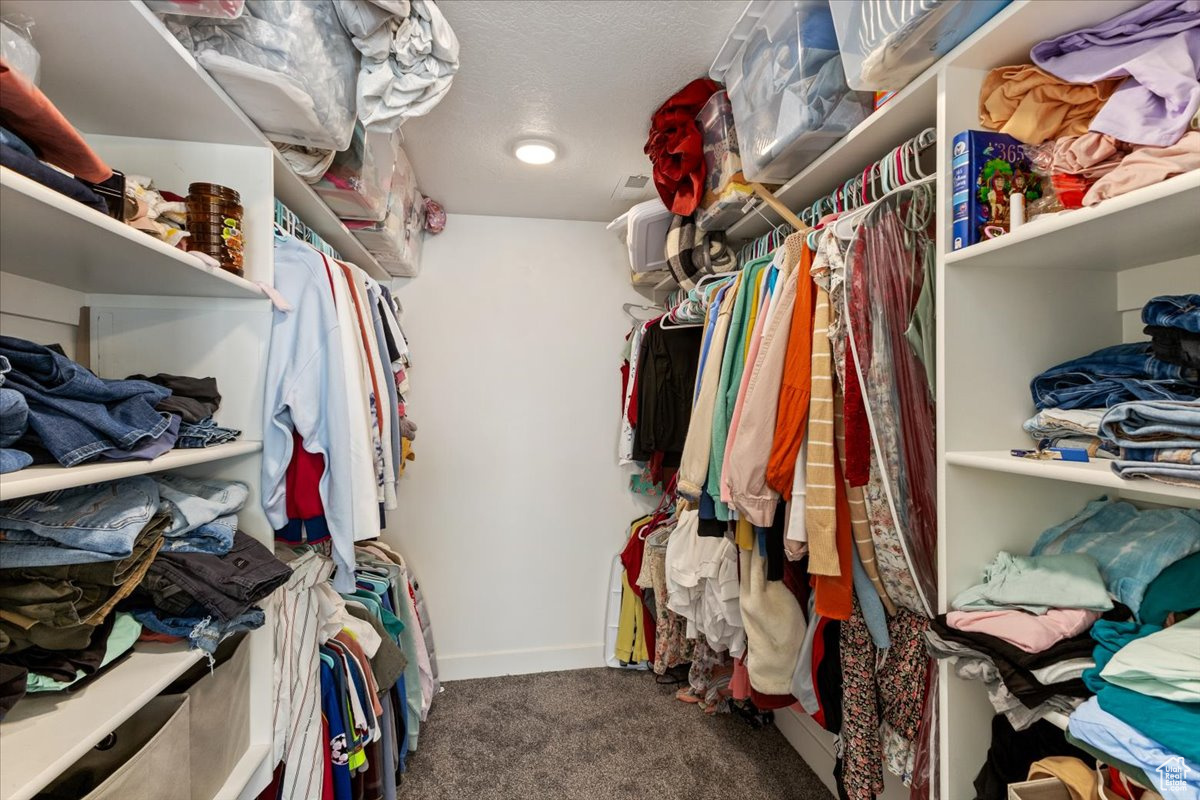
858 428
28 113
303 482
631 558
739 684
327 762
770 702
676 147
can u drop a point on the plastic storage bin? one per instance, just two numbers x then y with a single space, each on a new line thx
789 94
725 187
397 240
358 182
644 228
17 48
219 9
887 43
289 65
147 758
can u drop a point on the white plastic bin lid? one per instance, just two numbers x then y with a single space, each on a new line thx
741 31
648 224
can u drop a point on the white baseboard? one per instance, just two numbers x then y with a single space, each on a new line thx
816 746
519 662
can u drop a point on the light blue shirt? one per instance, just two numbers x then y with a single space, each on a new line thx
305 391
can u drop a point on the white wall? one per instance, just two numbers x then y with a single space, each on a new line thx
515 505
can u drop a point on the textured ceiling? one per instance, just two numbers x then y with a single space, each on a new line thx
586 74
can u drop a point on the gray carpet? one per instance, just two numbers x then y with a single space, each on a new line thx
595 734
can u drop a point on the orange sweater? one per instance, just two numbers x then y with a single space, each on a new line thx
791 419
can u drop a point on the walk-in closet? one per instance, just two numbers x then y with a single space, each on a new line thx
599 399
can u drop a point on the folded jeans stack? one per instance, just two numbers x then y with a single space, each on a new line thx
77 416
14 420
194 401
1157 439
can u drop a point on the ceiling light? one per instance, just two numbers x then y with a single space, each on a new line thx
535 151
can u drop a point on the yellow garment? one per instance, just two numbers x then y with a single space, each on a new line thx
406 453
631 637
820 502
1032 105
755 302
1079 779
744 536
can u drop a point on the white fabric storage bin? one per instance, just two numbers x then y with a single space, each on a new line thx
887 43
1041 789
784 75
219 721
147 758
358 183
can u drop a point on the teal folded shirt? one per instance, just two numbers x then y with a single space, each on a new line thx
125 632
1177 588
1171 724
1037 584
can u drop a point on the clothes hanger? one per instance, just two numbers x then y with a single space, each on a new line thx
628 308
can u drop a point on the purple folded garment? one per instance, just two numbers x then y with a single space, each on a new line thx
1157 46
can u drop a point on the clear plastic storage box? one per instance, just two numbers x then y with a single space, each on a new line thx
725 187
887 43
396 241
289 65
790 99
359 181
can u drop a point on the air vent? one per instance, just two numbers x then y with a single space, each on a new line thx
632 187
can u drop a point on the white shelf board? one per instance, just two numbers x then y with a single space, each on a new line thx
48 237
1057 719
170 97
1146 226
44 734
243 772
910 111
295 193
51 477
1097 472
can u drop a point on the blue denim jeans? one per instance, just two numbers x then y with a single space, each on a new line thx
76 414
193 503
204 433
1153 424
1114 375
214 537
148 449
1173 311
13 460
202 632
77 526
14 416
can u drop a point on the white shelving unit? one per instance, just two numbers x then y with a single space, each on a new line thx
1058 288
121 303
1055 289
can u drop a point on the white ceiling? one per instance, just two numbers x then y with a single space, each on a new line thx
586 74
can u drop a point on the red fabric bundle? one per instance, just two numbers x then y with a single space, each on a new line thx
676 147
27 112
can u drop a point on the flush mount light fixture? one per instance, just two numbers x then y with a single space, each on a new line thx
535 151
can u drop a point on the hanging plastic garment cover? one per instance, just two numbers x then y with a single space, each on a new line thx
889 303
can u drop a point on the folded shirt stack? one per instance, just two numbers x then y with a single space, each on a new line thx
1147 705
1137 402
72 557
54 409
1023 632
